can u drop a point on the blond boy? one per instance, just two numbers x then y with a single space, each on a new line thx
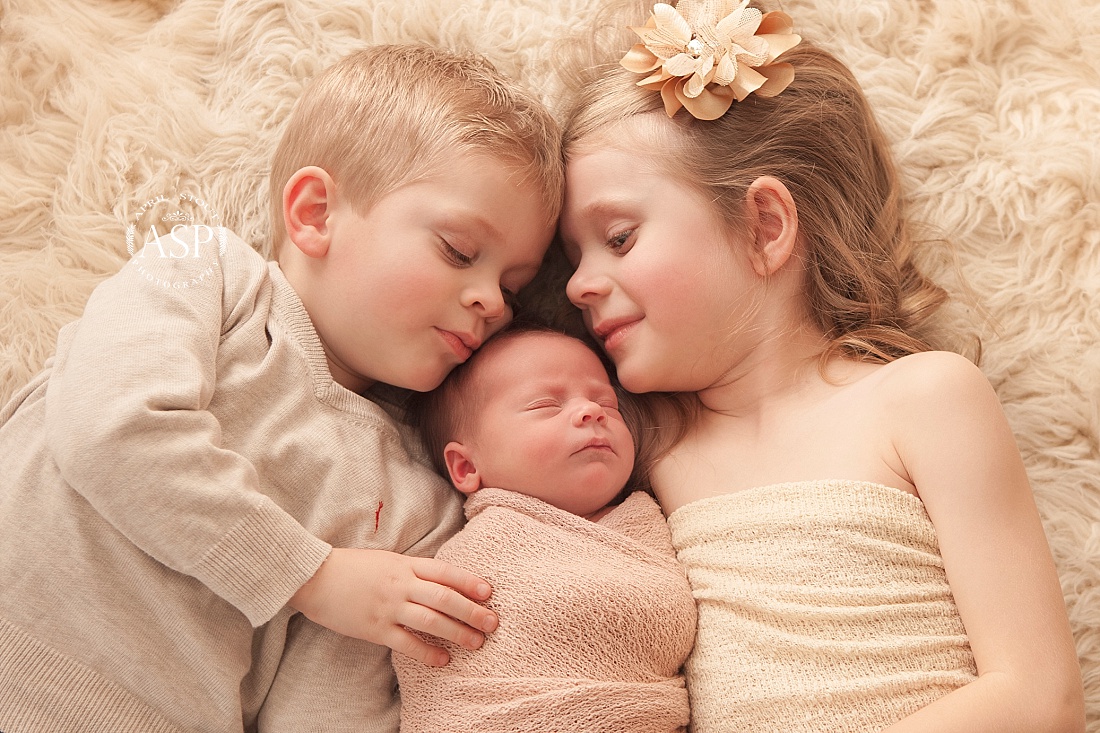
200 507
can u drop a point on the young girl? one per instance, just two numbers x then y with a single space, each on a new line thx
851 507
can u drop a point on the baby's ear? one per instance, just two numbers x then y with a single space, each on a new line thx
307 206
773 219
463 472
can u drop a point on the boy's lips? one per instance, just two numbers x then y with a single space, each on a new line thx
462 344
613 330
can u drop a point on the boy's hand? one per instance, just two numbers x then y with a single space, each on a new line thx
378 596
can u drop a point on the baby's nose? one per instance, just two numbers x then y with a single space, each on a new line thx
591 411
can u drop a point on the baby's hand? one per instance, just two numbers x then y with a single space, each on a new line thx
379 596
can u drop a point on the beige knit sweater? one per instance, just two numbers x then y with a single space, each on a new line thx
823 606
175 474
596 620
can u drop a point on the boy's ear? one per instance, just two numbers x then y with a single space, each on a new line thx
463 472
307 206
773 219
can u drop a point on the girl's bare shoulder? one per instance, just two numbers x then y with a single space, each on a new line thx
930 389
928 375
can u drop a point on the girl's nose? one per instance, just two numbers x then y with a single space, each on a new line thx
586 287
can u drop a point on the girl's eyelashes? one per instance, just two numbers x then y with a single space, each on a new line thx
621 242
456 256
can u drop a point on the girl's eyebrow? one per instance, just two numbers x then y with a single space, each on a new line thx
602 207
605 206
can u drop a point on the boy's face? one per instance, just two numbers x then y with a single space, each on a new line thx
549 425
411 287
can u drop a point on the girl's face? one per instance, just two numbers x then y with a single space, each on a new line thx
659 277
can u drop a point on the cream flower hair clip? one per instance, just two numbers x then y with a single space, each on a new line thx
707 53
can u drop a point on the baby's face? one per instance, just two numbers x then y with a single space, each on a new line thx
550 426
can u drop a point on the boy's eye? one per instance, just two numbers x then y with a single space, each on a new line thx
456 256
544 405
621 242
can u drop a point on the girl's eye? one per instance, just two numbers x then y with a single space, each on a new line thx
456 256
621 242
543 405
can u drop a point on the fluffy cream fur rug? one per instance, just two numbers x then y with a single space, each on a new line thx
993 108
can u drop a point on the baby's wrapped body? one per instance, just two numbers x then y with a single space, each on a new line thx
596 619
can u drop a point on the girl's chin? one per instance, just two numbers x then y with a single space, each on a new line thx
634 382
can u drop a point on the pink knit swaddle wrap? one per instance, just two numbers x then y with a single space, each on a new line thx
596 619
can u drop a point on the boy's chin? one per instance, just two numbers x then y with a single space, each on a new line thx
422 382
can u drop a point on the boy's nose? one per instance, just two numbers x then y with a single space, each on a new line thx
488 301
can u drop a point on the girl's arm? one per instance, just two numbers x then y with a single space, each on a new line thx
959 451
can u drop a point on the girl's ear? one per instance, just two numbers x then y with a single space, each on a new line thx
463 472
307 206
773 219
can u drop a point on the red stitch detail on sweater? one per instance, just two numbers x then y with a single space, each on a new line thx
377 515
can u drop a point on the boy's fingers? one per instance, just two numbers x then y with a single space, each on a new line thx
413 646
424 619
466 583
446 601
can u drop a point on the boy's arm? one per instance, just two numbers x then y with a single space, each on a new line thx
960 453
128 425
129 428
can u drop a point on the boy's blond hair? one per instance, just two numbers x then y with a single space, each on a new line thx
390 115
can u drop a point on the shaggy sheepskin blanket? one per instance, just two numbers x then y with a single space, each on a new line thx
993 109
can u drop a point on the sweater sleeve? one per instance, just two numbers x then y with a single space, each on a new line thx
128 424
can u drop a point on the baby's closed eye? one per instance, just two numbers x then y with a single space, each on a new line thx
544 404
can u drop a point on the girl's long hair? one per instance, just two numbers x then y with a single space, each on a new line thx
820 138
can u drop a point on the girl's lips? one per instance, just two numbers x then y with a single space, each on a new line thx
613 332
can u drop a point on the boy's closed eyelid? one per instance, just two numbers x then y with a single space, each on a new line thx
459 254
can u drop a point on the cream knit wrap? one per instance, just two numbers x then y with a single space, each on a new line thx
596 619
823 606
